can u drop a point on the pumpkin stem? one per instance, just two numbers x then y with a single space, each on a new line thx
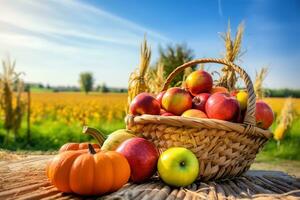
91 149
99 136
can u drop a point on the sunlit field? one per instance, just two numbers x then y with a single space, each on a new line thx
57 118
277 103
70 108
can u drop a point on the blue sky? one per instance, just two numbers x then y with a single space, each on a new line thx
53 41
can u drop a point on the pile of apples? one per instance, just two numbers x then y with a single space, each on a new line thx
177 166
201 99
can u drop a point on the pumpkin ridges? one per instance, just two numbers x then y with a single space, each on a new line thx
103 176
85 145
59 168
82 174
121 169
68 147
76 146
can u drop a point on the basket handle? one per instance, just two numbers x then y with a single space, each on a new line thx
250 112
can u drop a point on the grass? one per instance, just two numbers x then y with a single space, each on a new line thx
50 135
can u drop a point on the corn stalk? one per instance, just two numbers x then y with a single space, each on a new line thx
258 84
20 107
7 82
137 79
228 77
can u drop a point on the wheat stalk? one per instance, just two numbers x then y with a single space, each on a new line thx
202 66
285 120
155 78
186 73
229 78
137 82
258 84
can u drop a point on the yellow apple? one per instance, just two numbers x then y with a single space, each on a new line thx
242 97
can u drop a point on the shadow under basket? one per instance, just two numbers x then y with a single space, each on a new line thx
224 149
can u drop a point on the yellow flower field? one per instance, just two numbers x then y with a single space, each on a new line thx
77 107
277 103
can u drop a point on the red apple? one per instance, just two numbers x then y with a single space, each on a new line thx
144 103
142 157
222 106
167 114
200 100
162 111
176 100
194 113
219 89
198 82
160 96
264 115
240 117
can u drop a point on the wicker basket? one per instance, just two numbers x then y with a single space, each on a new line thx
224 149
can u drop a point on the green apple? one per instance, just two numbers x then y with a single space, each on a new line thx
178 166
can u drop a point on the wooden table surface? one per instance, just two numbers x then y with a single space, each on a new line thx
26 179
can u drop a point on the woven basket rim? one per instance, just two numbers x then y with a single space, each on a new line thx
190 122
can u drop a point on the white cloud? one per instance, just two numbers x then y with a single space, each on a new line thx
70 35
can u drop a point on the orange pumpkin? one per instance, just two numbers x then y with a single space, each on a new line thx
76 146
87 172
218 89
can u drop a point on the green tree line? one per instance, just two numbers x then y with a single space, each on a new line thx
285 92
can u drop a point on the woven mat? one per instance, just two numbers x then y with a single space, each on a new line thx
26 179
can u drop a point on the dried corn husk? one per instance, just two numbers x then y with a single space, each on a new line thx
228 77
7 81
20 107
137 80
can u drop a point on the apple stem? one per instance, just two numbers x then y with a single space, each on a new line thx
91 149
182 163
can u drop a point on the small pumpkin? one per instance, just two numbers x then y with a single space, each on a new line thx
76 146
87 172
